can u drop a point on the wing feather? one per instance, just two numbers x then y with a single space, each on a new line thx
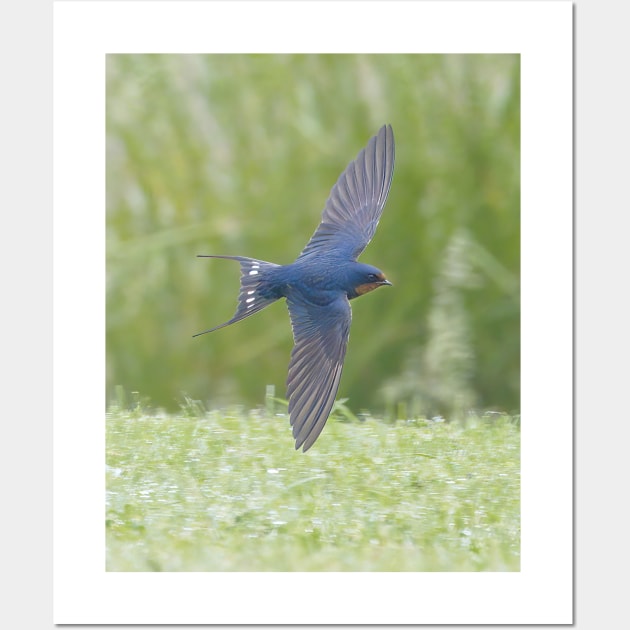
356 201
321 336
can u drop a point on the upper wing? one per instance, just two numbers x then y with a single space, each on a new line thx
321 336
356 201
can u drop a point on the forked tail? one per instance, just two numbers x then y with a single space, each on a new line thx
255 291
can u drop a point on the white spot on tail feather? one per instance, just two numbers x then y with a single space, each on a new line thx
253 272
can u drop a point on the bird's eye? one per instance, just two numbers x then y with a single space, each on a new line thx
372 277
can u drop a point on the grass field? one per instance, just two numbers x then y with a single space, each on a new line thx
226 491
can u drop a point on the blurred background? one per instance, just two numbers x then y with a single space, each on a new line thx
236 154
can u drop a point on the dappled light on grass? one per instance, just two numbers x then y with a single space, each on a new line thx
226 491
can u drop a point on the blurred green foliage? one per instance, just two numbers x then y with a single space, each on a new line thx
236 154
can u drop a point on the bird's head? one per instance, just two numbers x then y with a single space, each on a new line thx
365 278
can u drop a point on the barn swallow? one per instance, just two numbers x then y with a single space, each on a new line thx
320 283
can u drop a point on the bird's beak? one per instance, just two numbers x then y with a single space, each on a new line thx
386 282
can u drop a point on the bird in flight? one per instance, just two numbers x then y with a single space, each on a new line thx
320 283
